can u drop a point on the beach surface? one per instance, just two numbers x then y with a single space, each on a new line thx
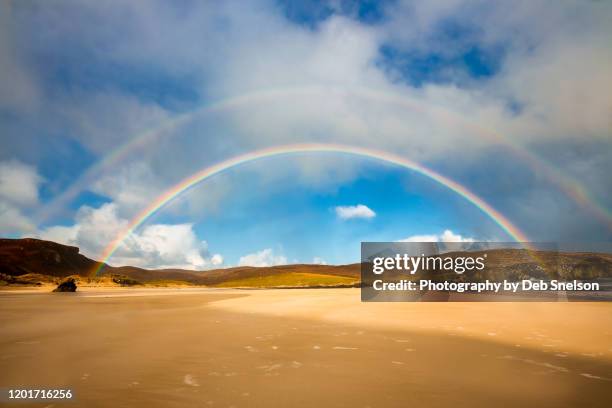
312 347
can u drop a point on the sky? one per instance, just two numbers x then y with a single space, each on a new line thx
104 106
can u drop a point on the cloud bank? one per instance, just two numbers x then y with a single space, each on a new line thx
156 246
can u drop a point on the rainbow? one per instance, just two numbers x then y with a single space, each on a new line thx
570 187
210 171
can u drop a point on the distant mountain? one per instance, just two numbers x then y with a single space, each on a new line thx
25 256
517 264
27 260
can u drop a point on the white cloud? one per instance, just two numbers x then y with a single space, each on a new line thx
354 211
13 221
318 261
131 187
156 246
19 184
446 236
265 257
66 235
216 260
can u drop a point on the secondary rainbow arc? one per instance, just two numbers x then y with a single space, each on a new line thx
570 187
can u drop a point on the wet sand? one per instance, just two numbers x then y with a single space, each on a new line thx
221 348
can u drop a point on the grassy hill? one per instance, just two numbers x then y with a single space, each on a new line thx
49 260
290 279
28 261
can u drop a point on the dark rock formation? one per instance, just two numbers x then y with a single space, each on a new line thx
68 285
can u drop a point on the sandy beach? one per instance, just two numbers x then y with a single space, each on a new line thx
323 347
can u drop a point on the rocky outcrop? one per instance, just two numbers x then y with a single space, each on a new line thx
68 285
25 256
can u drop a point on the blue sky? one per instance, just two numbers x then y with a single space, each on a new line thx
306 218
430 81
